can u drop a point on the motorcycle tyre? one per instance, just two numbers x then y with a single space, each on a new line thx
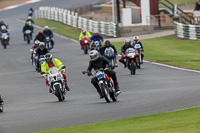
59 93
132 68
105 93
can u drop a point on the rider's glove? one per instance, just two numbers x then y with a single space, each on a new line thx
89 74
80 41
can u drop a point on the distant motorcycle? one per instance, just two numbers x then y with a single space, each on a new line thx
138 56
1 107
56 82
110 55
130 56
4 40
33 56
48 43
85 45
28 36
106 85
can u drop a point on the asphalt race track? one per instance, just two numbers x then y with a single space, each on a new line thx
30 107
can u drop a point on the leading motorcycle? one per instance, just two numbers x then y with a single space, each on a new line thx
106 85
56 82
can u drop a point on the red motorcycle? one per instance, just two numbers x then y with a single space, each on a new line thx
85 45
131 60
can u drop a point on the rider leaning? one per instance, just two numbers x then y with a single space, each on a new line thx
53 62
84 34
28 26
123 50
136 41
98 62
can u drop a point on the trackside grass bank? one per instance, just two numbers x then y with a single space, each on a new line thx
184 121
59 28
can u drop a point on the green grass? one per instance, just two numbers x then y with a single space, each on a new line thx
171 50
59 28
184 121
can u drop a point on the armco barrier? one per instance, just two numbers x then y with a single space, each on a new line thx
187 31
72 19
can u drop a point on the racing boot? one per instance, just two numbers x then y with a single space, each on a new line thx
101 95
66 87
123 63
117 90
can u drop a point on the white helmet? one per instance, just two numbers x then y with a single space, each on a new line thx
93 55
3 27
136 38
41 44
29 17
46 27
37 42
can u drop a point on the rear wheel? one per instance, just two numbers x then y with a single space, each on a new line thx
105 92
59 93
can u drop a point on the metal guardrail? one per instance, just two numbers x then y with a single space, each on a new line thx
187 31
71 18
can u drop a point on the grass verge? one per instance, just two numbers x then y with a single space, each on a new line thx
59 28
184 121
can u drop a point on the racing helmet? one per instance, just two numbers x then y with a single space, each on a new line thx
107 42
3 27
37 42
48 57
46 27
135 39
96 33
127 41
83 31
94 54
42 45
40 32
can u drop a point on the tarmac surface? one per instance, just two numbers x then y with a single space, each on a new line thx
30 107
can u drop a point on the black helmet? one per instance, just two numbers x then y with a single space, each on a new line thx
107 42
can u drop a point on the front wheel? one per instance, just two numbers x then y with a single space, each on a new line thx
59 93
5 43
132 68
28 39
104 90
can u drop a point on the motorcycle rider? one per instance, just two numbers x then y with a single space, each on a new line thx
4 30
98 62
30 12
123 50
96 37
53 62
107 45
30 19
97 47
40 36
41 50
3 24
136 41
48 33
27 27
35 46
84 34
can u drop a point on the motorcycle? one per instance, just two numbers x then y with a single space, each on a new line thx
47 43
130 56
41 60
56 82
106 85
28 36
33 56
85 45
1 107
138 57
110 55
4 40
